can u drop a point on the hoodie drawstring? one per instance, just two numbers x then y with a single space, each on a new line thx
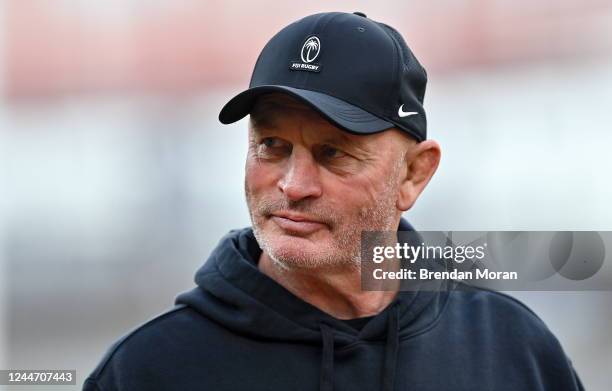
326 380
391 350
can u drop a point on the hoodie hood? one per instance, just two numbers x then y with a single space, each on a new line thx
233 292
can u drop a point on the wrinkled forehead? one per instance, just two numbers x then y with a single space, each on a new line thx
282 114
270 109
290 119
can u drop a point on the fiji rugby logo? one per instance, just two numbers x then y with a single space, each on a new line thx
311 49
309 52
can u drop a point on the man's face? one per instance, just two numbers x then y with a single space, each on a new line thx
312 188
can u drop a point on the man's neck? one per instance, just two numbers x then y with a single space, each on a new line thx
337 293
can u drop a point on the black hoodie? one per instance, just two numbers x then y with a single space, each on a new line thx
240 330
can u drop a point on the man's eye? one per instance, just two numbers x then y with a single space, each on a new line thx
273 146
329 152
270 142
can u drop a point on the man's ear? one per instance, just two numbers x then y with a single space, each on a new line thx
422 160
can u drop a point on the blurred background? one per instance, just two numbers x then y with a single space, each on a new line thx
116 179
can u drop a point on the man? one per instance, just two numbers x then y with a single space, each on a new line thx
337 146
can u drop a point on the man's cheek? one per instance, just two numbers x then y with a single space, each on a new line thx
260 175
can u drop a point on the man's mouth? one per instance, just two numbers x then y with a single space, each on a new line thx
297 223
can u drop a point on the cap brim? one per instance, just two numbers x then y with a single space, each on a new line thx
344 115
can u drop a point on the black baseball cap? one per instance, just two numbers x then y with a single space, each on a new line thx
356 72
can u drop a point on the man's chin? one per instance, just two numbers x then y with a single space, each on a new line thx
302 253
294 251
297 245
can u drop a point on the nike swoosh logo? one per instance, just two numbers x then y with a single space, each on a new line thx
402 113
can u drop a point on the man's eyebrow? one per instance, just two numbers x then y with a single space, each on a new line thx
261 123
341 139
258 119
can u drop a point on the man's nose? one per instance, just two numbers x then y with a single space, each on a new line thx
301 179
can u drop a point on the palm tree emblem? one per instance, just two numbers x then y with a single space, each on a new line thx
311 49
